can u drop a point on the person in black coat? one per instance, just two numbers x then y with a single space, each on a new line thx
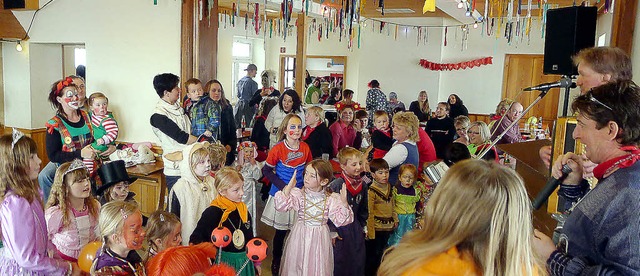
259 133
421 107
457 108
218 103
316 134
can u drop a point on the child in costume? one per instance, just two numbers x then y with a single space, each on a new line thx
121 232
229 211
164 230
381 137
104 126
72 212
382 217
250 170
349 248
24 230
183 260
406 198
193 192
286 157
308 250
425 187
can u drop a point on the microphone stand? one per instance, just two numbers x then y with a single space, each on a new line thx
543 92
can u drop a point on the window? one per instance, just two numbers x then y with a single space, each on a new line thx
289 72
242 57
80 55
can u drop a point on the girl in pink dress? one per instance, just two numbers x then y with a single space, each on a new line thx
308 250
24 230
72 212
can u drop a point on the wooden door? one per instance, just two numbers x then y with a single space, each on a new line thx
522 71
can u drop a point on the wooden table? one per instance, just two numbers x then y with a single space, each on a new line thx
151 186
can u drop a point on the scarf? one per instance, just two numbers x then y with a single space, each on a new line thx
229 206
307 131
354 184
621 162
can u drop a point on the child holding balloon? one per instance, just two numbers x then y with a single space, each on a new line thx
72 212
229 211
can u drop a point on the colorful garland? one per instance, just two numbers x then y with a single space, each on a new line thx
455 66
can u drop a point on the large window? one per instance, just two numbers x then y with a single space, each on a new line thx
242 56
289 72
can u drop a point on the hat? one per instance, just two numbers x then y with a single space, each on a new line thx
251 67
393 95
112 173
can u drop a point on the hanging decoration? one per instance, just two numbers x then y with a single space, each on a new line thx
455 66
430 6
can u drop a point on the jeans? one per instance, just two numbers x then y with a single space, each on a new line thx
45 179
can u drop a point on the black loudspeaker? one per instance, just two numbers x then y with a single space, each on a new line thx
569 30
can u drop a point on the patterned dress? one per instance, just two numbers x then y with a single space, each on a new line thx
376 100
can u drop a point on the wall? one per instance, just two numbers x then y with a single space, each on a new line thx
17 87
127 43
635 53
45 61
480 88
603 26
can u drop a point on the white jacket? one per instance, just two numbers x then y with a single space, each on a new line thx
176 114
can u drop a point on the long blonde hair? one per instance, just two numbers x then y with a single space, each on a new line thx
60 193
482 209
14 168
424 106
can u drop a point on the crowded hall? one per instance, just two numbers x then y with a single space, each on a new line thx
319 137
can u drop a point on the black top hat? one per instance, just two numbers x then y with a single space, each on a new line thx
112 173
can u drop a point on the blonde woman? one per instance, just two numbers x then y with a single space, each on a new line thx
478 222
421 107
404 150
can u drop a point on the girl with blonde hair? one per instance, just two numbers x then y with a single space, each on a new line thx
421 107
72 212
478 222
164 230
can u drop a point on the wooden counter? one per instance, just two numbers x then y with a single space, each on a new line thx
151 186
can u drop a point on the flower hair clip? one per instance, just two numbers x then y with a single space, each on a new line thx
62 84
124 215
15 137
76 164
246 144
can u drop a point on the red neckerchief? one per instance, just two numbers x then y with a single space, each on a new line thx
354 184
621 162
307 131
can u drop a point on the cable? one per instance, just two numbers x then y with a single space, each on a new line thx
34 17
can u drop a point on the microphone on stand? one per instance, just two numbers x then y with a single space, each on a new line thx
551 186
562 83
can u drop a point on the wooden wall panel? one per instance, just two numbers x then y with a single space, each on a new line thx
187 43
39 136
207 39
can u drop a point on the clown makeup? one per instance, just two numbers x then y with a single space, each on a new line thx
203 167
120 191
173 239
234 192
80 188
406 179
132 231
99 106
294 129
69 97
353 167
215 91
195 91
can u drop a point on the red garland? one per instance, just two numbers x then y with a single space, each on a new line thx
455 66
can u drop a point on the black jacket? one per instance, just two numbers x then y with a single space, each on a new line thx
320 141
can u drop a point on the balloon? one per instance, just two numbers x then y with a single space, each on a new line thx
221 236
257 249
87 254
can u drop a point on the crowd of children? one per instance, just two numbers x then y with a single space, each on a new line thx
333 207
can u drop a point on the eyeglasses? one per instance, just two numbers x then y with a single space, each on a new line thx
599 102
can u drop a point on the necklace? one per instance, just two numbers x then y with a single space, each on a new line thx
238 235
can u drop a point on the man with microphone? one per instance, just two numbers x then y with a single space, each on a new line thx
600 235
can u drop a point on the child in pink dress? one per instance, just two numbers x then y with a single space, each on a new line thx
72 212
308 249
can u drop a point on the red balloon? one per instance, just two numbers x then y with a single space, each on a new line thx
87 254
221 236
257 249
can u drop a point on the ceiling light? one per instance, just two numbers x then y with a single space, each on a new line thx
460 5
475 25
19 47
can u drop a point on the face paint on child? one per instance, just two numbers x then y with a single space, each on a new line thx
203 167
407 179
120 191
133 232
294 128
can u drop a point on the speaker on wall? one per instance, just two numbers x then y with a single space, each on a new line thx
569 30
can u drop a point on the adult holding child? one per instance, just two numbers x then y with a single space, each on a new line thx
170 124
68 132
600 234
404 150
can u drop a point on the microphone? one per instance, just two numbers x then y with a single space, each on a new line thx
562 83
551 186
